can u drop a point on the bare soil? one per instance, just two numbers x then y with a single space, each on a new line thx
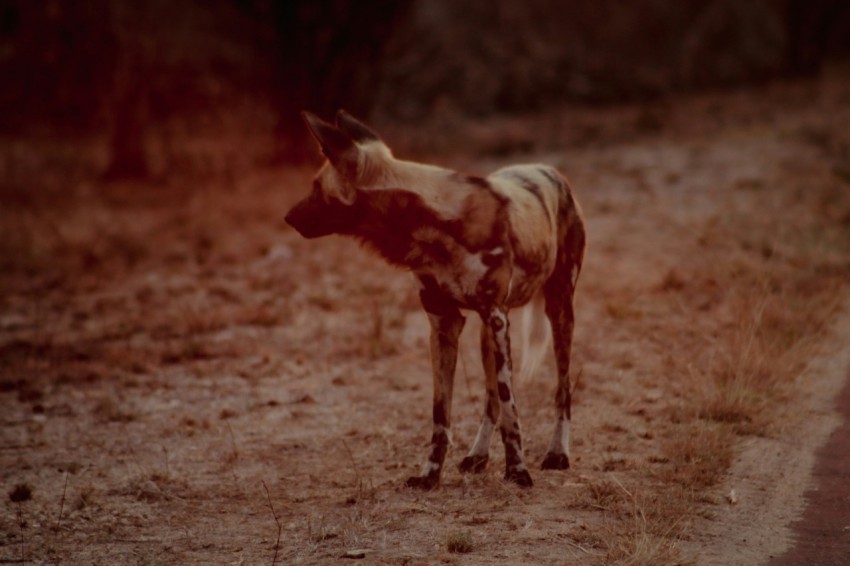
186 381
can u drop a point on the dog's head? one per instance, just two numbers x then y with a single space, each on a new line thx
355 154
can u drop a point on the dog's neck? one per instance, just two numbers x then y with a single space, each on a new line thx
429 223
387 221
441 189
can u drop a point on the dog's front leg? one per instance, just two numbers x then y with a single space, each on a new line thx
515 467
446 325
478 456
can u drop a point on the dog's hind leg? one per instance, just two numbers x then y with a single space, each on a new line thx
515 468
559 291
560 312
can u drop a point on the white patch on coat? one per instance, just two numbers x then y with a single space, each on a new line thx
430 182
501 337
473 268
459 285
521 465
440 429
430 467
464 284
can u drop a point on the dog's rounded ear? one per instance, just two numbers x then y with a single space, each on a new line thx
356 130
335 144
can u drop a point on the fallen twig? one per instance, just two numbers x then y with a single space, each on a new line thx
62 503
277 522
356 471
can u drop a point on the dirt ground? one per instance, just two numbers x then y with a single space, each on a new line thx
186 381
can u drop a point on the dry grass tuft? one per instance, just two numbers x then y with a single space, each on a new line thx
758 357
109 410
640 530
603 494
380 342
641 548
698 456
460 542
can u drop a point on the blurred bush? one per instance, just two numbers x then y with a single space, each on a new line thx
505 56
128 71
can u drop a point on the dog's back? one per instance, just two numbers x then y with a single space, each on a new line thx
545 220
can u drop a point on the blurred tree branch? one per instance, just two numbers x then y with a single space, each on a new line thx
808 25
331 56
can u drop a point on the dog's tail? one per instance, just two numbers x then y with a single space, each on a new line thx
535 336
530 340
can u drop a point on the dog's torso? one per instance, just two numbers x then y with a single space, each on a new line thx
476 240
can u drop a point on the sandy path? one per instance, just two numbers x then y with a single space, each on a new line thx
771 476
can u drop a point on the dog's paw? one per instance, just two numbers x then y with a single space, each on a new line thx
425 483
473 464
554 461
521 477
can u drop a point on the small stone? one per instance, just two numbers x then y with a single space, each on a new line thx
732 497
21 492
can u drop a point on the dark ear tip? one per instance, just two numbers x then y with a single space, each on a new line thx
354 128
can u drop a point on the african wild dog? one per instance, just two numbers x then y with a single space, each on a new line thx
480 244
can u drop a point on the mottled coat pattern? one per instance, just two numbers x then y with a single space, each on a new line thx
474 244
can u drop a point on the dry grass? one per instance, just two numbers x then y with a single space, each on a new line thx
770 302
459 542
637 546
637 531
698 454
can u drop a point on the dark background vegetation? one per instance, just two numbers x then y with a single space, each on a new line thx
147 79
